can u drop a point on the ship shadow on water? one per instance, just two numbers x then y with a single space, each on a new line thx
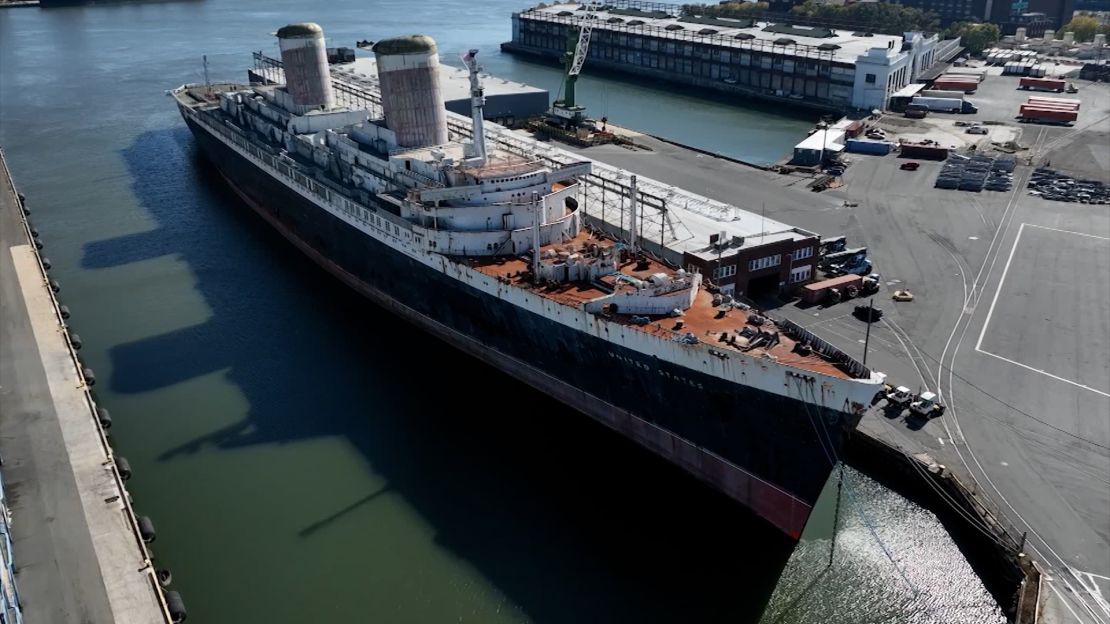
570 521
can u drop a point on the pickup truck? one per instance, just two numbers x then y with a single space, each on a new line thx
926 406
899 397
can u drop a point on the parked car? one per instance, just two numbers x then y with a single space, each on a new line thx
910 166
902 295
976 130
867 313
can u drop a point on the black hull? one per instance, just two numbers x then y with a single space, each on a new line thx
763 449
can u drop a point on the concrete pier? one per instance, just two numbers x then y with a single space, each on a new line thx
75 538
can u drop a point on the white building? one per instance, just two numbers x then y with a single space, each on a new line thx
815 66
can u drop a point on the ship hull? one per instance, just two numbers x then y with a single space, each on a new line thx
769 452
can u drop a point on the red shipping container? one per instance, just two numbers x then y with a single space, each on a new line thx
1044 99
815 293
1048 114
1046 84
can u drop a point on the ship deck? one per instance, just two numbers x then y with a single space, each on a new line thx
719 326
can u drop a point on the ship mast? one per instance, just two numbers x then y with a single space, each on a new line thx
477 104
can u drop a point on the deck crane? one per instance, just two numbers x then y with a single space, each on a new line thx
566 113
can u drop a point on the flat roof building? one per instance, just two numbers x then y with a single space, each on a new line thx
819 146
506 100
820 67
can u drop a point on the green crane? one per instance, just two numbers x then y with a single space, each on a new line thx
565 111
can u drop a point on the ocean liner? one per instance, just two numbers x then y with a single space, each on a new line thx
490 251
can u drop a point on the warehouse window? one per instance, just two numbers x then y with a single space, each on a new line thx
800 254
763 263
726 271
869 78
800 274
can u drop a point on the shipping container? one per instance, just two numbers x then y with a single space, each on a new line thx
955 95
963 86
947 105
1053 115
978 73
927 151
1051 106
1045 99
819 291
854 129
916 112
1043 84
876 148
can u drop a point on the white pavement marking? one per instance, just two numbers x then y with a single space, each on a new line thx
1046 374
1044 227
1083 603
1092 588
994 301
1065 602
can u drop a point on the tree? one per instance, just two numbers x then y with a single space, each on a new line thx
881 17
974 37
727 9
1084 27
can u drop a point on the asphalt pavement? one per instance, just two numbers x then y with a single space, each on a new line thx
1028 420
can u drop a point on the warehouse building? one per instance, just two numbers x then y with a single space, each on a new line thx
775 261
507 102
807 66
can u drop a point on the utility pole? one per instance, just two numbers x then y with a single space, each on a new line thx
537 216
632 242
823 128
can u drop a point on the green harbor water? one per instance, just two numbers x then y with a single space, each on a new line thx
308 458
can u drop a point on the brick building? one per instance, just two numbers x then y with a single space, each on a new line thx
756 266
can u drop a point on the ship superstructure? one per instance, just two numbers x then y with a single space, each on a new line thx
488 249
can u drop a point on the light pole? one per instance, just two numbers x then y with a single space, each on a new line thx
823 128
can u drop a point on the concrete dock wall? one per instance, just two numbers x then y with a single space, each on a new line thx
76 538
993 549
